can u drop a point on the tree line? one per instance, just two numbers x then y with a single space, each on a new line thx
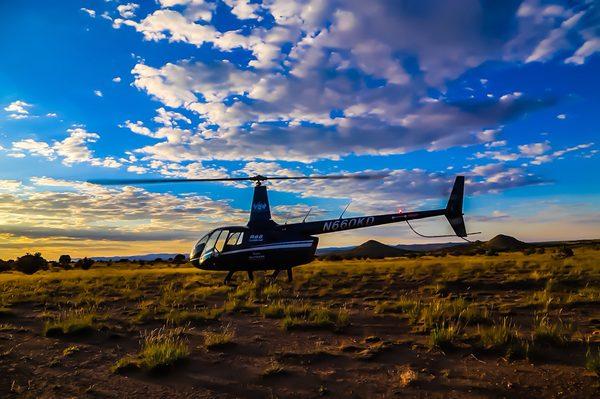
29 264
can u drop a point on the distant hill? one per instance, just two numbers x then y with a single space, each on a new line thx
375 250
505 243
499 243
371 249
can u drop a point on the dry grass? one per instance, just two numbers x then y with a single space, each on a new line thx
219 339
161 349
71 322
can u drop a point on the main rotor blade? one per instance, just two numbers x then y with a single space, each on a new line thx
114 182
258 178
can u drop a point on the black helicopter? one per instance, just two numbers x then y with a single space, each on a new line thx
265 245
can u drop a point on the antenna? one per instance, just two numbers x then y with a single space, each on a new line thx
307 213
344 211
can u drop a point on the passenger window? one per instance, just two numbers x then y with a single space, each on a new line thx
221 240
240 239
233 239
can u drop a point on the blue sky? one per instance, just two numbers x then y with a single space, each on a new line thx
505 93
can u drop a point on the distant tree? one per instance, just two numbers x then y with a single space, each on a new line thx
528 251
491 252
65 261
84 263
4 265
179 258
30 264
123 260
563 252
158 259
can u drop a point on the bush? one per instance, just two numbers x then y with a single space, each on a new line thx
85 263
5 265
529 251
30 264
179 258
491 252
65 261
563 253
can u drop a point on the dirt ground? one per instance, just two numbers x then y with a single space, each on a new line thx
377 354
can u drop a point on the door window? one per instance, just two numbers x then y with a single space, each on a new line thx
221 240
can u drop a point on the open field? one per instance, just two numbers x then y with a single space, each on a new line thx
512 325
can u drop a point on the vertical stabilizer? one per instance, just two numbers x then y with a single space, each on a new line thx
454 209
260 211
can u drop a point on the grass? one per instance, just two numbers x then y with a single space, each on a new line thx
179 317
503 337
549 332
443 336
219 339
401 305
71 322
274 310
305 316
161 350
592 360
273 369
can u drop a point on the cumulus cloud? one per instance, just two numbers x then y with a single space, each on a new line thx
293 117
110 214
72 150
127 10
18 109
98 93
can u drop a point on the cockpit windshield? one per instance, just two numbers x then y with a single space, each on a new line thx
220 241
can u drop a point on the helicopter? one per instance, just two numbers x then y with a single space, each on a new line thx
262 244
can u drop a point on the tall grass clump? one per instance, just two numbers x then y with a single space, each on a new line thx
503 337
218 339
546 331
592 360
71 322
443 336
304 315
162 349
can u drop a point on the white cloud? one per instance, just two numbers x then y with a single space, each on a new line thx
127 10
136 169
243 9
18 107
586 50
72 150
534 149
116 79
98 93
89 12
34 147
561 116
51 115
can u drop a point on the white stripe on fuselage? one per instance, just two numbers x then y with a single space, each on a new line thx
279 245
